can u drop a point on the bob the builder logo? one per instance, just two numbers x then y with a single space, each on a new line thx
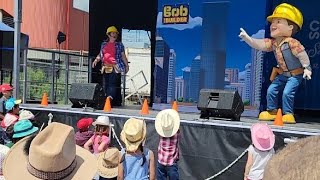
175 14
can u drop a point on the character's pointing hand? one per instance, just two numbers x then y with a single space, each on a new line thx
243 35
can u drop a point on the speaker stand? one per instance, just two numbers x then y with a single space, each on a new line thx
86 108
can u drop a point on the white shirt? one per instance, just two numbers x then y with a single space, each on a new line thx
260 160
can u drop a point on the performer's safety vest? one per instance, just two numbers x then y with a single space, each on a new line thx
291 61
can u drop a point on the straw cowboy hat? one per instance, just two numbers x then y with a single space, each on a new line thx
262 136
167 122
102 120
3 153
133 133
108 163
53 154
25 114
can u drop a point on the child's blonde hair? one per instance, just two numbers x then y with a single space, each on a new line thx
300 160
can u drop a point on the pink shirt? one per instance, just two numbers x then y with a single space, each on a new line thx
109 53
97 139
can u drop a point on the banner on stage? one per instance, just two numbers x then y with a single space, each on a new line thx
175 14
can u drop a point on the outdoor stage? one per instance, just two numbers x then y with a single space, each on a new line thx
206 146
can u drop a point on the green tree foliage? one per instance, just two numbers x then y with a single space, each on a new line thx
180 99
246 103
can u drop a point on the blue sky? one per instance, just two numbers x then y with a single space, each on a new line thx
249 14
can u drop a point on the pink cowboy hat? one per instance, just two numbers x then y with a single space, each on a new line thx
262 136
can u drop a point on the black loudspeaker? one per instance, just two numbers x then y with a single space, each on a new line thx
87 94
61 37
220 103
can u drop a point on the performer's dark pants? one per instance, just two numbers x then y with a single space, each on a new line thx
112 87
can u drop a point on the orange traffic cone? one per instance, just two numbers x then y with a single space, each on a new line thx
145 108
107 105
175 105
278 121
44 100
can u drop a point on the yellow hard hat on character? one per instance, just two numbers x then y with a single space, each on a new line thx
288 12
112 29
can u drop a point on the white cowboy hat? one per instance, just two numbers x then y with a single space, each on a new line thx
167 122
25 114
108 163
133 133
102 120
53 154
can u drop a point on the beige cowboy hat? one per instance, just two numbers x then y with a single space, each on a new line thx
53 154
167 122
108 163
133 133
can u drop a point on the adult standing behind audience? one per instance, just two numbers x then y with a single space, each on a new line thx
114 62
6 91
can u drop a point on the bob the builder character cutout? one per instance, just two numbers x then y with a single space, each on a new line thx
293 61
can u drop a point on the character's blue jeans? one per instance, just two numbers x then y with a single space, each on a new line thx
289 86
167 171
112 83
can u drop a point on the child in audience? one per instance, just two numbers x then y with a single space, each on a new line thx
12 116
137 162
23 128
100 141
167 126
83 134
25 114
260 152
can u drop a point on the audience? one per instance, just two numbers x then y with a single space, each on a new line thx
167 125
83 134
260 152
100 141
52 154
299 160
137 162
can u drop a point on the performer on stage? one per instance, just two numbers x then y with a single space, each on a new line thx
293 61
114 62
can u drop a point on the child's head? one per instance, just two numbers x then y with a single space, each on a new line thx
22 129
262 136
25 114
6 90
12 106
133 134
299 160
101 124
108 163
84 124
167 122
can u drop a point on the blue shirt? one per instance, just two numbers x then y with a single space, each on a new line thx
132 166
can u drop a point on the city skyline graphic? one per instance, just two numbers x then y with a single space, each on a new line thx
204 48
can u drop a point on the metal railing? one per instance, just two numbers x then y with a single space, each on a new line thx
51 72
